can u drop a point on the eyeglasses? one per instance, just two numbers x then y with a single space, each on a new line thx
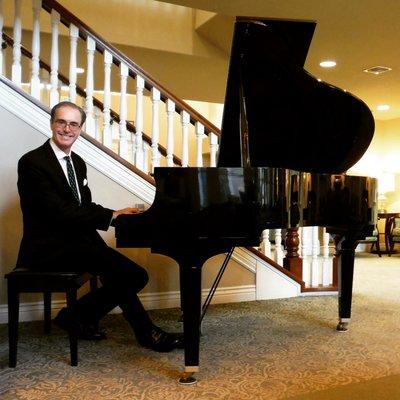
61 123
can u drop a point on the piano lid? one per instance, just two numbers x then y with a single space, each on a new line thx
276 114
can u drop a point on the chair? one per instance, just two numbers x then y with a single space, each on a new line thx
373 241
394 236
26 281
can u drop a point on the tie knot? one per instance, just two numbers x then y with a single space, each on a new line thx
67 158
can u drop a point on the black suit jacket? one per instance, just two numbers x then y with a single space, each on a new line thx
53 220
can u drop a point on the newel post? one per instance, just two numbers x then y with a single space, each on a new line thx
292 260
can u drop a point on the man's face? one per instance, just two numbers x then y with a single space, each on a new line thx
66 127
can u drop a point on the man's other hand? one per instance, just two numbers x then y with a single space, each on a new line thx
127 210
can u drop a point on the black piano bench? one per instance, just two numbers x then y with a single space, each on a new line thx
27 281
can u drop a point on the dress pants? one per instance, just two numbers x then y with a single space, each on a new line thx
121 280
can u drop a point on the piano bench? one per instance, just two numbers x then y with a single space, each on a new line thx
22 280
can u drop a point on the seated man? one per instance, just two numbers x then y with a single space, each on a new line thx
60 233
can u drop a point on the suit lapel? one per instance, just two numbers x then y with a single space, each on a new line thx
56 169
54 164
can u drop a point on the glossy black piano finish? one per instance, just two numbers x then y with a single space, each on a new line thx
289 118
286 142
232 206
201 212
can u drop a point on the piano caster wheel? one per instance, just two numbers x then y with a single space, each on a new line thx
187 378
342 326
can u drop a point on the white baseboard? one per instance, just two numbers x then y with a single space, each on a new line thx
151 301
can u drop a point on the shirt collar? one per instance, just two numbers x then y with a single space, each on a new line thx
57 151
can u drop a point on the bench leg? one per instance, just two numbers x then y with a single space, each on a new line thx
47 311
13 317
93 283
72 332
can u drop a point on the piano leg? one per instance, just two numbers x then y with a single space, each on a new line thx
190 283
346 251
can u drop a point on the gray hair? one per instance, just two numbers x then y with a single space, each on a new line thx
67 104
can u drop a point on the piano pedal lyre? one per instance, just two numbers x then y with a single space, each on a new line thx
343 325
187 378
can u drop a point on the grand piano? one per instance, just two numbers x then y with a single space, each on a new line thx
287 140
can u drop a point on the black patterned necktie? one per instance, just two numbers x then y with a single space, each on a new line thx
71 177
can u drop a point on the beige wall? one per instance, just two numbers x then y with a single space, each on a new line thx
135 23
158 37
383 157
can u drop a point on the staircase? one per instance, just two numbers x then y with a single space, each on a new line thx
133 125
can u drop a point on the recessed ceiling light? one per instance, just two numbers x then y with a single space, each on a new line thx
327 64
377 70
80 70
383 107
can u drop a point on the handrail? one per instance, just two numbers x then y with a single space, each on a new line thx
67 18
115 116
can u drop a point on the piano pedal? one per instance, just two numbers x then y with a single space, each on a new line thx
342 326
187 378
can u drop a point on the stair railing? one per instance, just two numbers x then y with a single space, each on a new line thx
178 130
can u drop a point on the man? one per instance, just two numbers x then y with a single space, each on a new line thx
60 233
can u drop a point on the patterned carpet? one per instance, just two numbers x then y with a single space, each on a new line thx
275 349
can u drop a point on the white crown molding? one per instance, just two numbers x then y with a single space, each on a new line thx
246 259
27 111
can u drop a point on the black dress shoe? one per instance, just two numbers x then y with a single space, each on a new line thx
84 331
158 340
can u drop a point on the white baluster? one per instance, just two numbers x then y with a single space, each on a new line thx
55 22
123 140
199 144
185 119
107 136
97 123
35 68
16 71
305 233
278 246
155 128
327 261
45 86
138 145
315 264
170 132
146 149
2 69
90 49
265 243
213 149
73 35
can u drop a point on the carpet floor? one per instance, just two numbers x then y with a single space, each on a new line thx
275 349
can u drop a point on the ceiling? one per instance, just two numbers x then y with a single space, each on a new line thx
357 34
